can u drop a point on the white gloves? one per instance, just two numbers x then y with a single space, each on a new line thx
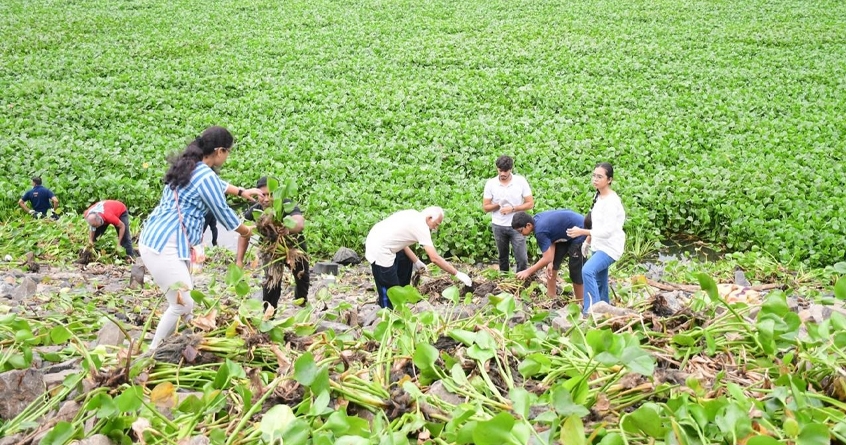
464 278
419 266
585 250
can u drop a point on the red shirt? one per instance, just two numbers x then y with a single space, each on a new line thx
109 209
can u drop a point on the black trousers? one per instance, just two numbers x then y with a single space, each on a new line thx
271 294
398 274
211 223
126 241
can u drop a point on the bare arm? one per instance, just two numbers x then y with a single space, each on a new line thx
55 202
528 204
248 194
242 249
437 259
547 258
489 206
23 205
121 230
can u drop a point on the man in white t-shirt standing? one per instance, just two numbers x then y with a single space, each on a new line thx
392 260
504 195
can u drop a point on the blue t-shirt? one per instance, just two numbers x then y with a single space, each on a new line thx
39 197
551 227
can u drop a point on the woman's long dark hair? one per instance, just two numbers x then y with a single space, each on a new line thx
609 172
182 164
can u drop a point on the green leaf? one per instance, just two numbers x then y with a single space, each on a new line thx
465 337
762 440
638 360
477 353
564 405
813 434
496 431
840 288
129 400
305 369
573 431
59 434
452 294
709 286
646 420
274 422
425 356
60 334
521 401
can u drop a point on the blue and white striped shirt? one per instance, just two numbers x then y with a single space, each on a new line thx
205 192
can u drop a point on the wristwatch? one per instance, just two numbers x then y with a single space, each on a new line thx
240 191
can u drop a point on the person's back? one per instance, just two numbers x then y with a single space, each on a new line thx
551 226
394 233
40 198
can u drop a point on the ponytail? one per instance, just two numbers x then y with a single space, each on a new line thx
182 164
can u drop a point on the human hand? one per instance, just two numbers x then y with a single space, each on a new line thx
32 212
550 273
506 209
252 194
419 266
574 232
464 278
524 274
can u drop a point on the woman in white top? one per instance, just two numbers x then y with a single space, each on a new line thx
604 228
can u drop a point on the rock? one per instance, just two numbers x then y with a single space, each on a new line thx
110 335
370 315
97 439
56 378
519 317
561 323
136 275
603 308
438 390
65 365
667 304
19 388
68 411
338 328
325 267
12 440
346 257
25 290
740 278
198 440
6 290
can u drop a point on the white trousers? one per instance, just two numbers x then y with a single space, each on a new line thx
172 275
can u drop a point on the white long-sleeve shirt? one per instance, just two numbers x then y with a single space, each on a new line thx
607 233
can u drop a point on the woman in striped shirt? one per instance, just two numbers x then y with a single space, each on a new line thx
191 189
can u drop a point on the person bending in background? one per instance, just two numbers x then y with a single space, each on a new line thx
107 213
550 229
392 260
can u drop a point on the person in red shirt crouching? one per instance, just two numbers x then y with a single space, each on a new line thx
110 212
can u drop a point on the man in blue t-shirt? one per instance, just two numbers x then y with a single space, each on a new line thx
40 198
550 229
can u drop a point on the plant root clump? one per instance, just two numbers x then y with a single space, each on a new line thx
277 249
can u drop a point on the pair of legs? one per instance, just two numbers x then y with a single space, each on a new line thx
172 275
595 276
211 223
126 241
506 238
271 294
398 274
575 261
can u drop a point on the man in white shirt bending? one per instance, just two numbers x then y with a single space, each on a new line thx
505 194
392 260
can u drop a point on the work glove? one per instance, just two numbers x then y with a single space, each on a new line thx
419 266
585 250
32 212
464 278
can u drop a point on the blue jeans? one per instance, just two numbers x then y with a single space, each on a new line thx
506 237
595 276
